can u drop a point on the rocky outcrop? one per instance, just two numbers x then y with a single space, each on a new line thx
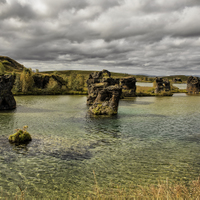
193 85
98 81
41 81
128 85
103 93
7 101
161 85
107 100
175 80
10 64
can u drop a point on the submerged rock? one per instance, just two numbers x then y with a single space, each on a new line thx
193 85
7 100
20 137
103 93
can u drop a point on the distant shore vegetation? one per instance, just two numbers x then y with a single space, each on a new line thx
74 83
29 82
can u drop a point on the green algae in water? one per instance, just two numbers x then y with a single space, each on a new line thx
151 139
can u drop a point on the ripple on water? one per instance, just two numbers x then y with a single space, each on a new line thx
150 139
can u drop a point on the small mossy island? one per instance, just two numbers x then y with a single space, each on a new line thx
21 136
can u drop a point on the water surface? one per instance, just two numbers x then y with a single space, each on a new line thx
151 139
180 86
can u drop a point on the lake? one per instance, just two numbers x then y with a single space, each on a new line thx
151 139
144 84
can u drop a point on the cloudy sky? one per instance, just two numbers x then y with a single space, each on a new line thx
155 37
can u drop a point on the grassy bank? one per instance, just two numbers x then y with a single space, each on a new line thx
149 91
55 92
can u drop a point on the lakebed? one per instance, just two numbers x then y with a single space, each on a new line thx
151 139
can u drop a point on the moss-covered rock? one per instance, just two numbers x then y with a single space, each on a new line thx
106 102
100 109
21 136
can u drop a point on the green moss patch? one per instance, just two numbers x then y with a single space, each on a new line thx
21 136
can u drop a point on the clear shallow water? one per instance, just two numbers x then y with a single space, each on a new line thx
151 139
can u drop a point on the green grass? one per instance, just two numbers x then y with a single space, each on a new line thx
11 65
182 77
83 72
147 91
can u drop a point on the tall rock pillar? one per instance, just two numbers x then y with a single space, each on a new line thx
7 100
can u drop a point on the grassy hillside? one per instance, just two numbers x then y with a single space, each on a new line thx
82 73
11 65
182 77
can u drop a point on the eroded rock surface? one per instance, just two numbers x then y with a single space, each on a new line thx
107 100
103 93
7 100
175 80
193 85
42 81
128 85
161 85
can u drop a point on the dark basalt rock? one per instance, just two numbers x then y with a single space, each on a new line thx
99 75
41 81
161 85
193 85
103 93
177 80
96 82
128 85
7 100
107 100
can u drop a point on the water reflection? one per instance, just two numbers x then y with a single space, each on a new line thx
7 121
20 148
103 125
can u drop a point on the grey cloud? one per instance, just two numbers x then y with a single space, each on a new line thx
142 35
17 10
2 1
